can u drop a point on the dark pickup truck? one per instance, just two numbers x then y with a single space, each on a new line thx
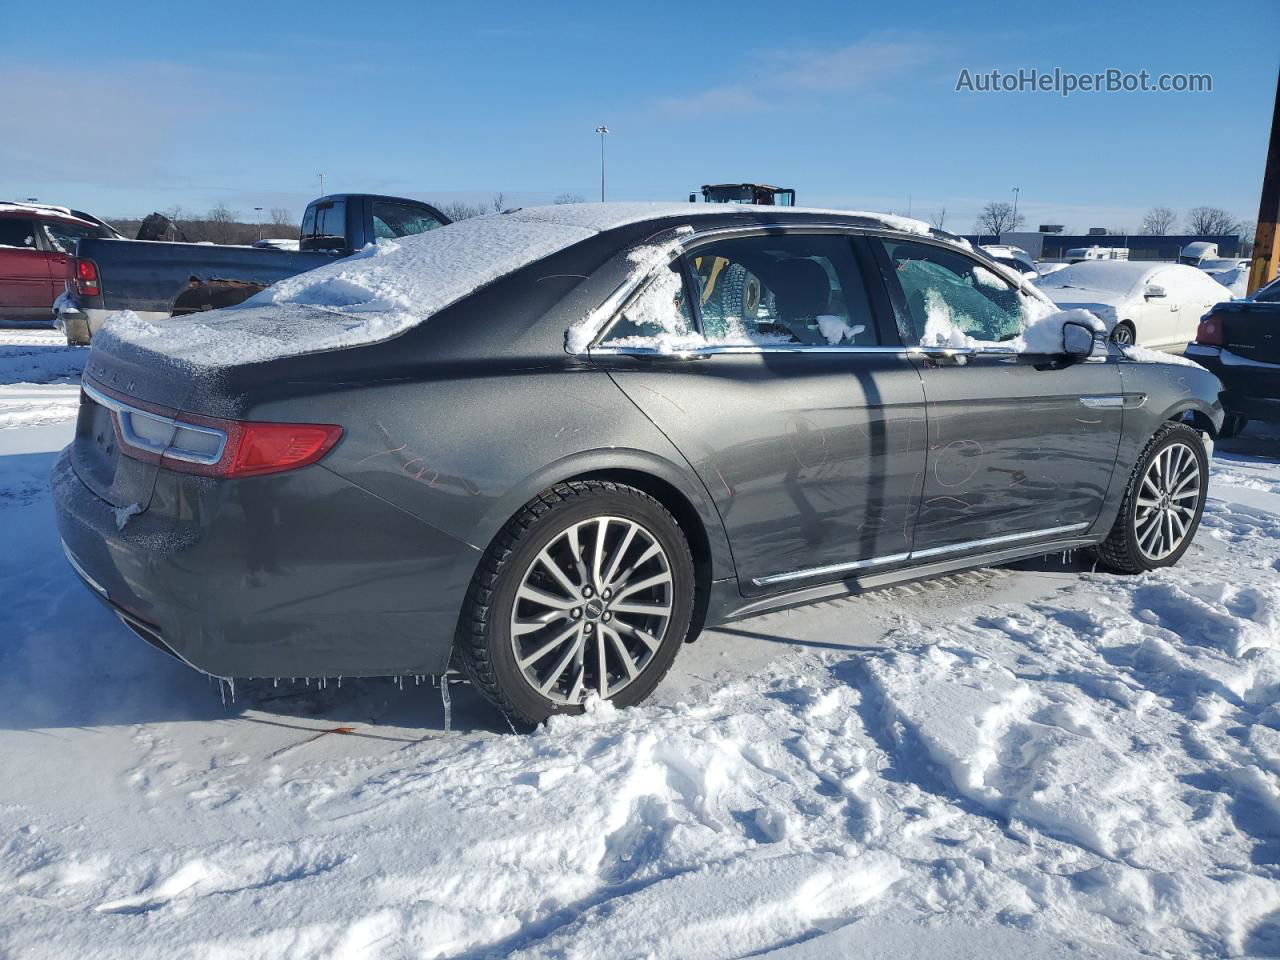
1239 341
158 280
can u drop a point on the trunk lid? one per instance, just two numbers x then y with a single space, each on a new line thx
1251 329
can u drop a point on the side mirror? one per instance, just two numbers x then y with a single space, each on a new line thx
1154 291
1077 340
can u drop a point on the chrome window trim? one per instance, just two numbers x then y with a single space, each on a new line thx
750 348
124 417
916 554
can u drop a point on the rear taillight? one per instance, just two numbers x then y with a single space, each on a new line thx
211 446
1210 330
86 277
217 447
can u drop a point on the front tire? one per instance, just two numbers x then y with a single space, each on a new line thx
587 590
1124 335
1162 504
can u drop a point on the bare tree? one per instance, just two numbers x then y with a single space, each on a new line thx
997 217
1248 232
1158 222
569 198
938 218
221 223
1211 221
459 210
281 217
499 202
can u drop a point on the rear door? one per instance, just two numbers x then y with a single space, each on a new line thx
24 273
779 385
1021 446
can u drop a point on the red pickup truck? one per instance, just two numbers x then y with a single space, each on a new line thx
36 241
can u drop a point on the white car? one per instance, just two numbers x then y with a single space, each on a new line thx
1150 304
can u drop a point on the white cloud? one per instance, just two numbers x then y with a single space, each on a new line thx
774 78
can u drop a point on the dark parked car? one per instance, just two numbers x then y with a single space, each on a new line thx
1240 342
158 280
611 428
36 244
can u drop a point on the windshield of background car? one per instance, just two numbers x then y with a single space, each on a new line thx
1270 293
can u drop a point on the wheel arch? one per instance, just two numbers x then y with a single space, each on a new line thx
671 485
690 521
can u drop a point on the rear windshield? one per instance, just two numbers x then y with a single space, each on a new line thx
392 220
62 236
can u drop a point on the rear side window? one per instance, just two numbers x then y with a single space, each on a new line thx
775 290
950 297
63 236
786 289
392 220
17 233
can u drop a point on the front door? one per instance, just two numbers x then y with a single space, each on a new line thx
806 428
1021 444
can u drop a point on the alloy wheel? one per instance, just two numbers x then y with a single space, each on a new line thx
1123 336
1167 500
592 609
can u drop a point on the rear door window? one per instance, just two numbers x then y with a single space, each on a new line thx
775 290
789 289
392 220
17 233
951 297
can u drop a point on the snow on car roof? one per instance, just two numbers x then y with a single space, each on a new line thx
384 290
41 210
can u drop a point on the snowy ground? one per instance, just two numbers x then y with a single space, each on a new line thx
1036 761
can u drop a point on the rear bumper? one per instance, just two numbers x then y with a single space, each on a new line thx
299 575
1250 388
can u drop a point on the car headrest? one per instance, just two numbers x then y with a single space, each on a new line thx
801 289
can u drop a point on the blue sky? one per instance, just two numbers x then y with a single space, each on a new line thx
125 108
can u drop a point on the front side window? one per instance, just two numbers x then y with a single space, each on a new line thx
951 298
391 220
62 236
17 233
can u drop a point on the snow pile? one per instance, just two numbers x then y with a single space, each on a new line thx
39 378
385 289
1140 354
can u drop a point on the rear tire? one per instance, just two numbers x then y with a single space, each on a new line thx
1162 504
1233 425
559 607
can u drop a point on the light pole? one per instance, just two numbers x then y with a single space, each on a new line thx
258 211
1014 224
602 130
321 176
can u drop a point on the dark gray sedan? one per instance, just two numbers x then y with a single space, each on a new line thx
550 446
